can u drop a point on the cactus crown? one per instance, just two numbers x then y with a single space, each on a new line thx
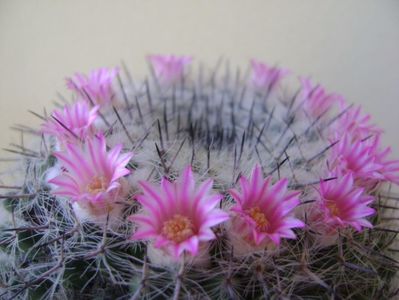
218 185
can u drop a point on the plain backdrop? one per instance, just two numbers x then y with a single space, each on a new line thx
351 47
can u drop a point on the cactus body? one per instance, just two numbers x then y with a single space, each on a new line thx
290 214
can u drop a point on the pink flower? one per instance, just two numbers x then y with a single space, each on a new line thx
72 123
342 204
356 157
97 86
364 159
389 169
315 99
178 216
169 68
358 151
265 77
92 174
263 211
355 123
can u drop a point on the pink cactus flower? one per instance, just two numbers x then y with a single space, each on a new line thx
92 174
178 216
355 123
97 86
357 157
342 204
72 123
316 101
263 212
365 160
169 68
389 169
265 77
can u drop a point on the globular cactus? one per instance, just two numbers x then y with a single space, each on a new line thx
205 185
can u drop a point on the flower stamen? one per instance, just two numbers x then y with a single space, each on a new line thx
97 185
178 228
259 217
334 210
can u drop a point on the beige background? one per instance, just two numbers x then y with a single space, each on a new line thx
350 46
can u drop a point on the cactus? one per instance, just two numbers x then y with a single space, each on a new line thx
219 185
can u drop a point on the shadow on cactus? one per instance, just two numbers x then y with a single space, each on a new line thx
200 185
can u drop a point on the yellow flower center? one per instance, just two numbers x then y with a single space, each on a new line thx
259 217
333 208
178 229
97 185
